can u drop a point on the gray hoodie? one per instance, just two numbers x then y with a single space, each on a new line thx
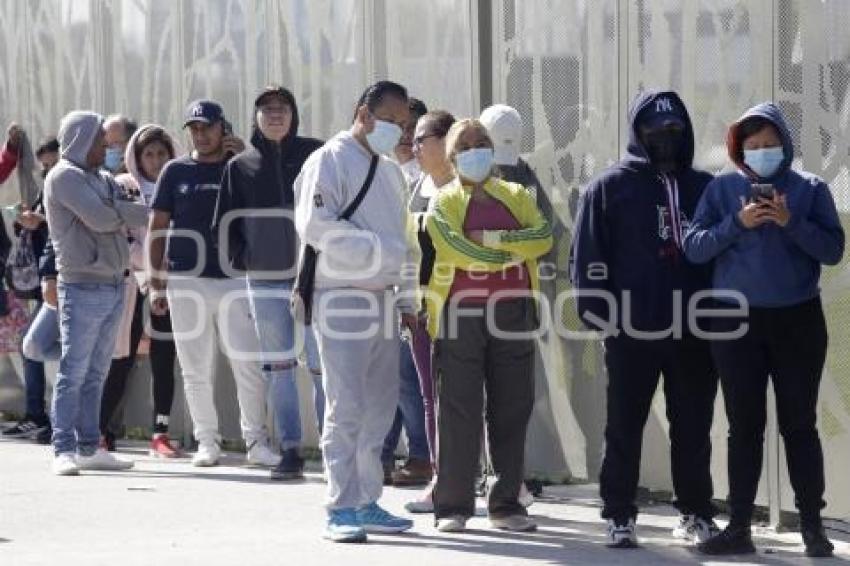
88 218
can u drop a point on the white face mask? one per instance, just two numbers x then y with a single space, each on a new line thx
384 137
475 164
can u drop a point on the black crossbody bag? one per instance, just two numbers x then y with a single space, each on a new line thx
301 302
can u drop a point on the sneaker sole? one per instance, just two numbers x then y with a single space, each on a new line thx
105 468
286 477
348 539
66 473
20 436
528 529
378 529
452 529
205 464
416 510
260 465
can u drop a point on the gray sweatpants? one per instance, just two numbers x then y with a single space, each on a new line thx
360 368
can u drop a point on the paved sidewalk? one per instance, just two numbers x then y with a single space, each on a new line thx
167 512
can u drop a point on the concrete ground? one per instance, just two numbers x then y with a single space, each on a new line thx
167 512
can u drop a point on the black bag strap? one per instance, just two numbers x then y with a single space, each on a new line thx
352 208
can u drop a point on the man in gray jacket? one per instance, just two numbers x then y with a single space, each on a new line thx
88 221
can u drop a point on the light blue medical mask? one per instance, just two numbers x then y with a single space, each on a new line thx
475 164
113 158
764 162
384 137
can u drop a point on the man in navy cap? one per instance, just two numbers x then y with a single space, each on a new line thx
206 309
634 284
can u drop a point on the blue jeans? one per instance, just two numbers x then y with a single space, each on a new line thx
410 413
41 342
276 330
34 381
89 314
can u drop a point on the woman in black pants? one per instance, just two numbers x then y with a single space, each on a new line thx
769 229
148 151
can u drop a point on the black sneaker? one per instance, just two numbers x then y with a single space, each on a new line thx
291 466
817 545
45 436
731 540
26 429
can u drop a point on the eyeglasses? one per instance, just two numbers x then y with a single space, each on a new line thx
418 140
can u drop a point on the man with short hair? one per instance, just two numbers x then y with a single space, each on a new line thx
361 263
254 218
208 310
119 129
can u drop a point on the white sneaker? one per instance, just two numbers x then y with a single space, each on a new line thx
261 455
103 460
515 523
525 498
207 455
622 534
65 464
695 529
453 524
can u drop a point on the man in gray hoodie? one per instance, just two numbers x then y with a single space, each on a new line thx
88 220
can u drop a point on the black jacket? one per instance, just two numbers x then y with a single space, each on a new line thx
261 177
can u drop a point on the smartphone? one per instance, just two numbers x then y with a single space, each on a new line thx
761 191
228 131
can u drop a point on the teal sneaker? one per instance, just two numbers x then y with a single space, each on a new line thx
344 526
376 520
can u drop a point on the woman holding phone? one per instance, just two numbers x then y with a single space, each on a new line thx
769 228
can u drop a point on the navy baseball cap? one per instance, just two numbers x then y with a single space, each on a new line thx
662 111
205 111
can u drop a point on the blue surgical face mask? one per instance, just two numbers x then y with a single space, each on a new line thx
384 136
113 158
475 164
764 162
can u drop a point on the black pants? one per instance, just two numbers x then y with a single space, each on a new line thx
162 356
789 345
690 387
469 366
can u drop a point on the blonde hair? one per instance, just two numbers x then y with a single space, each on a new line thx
457 130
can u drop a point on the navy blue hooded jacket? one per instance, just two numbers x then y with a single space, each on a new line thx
624 242
770 265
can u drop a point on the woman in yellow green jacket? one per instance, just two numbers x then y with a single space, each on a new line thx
487 234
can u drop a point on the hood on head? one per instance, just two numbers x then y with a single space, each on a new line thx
77 132
130 154
257 139
643 106
734 144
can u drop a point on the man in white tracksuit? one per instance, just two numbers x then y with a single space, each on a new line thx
366 271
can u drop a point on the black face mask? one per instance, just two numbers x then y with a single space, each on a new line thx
664 148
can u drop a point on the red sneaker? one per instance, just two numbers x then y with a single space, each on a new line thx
161 447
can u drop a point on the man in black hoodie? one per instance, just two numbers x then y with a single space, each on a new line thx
257 235
634 284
